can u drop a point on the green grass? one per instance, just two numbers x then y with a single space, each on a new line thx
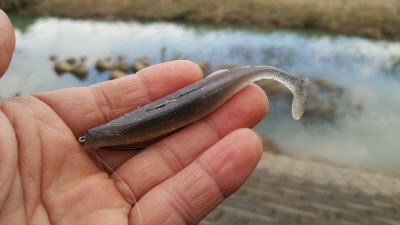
21 22
15 5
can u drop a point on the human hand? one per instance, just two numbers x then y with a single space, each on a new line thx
7 42
47 177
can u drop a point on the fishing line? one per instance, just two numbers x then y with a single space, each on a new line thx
108 167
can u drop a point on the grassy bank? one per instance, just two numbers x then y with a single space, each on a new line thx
370 18
16 5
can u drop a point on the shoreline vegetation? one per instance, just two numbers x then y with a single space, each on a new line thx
379 19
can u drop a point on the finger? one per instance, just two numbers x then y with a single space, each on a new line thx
192 193
7 42
83 108
167 157
8 156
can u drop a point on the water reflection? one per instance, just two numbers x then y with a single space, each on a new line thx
356 98
392 67
21 22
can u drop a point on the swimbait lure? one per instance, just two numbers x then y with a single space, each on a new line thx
187 105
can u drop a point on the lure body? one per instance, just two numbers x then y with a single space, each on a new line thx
188 105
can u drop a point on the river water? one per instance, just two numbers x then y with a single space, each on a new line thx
362 124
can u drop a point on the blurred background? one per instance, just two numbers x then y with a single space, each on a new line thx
349 49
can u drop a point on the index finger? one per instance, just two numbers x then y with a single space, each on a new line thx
84 108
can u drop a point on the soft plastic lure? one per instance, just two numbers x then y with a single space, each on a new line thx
188 105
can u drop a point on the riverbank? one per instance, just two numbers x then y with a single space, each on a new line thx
371 18
288 191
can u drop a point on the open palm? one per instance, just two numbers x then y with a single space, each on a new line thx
47 177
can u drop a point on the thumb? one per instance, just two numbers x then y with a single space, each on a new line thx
7 42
